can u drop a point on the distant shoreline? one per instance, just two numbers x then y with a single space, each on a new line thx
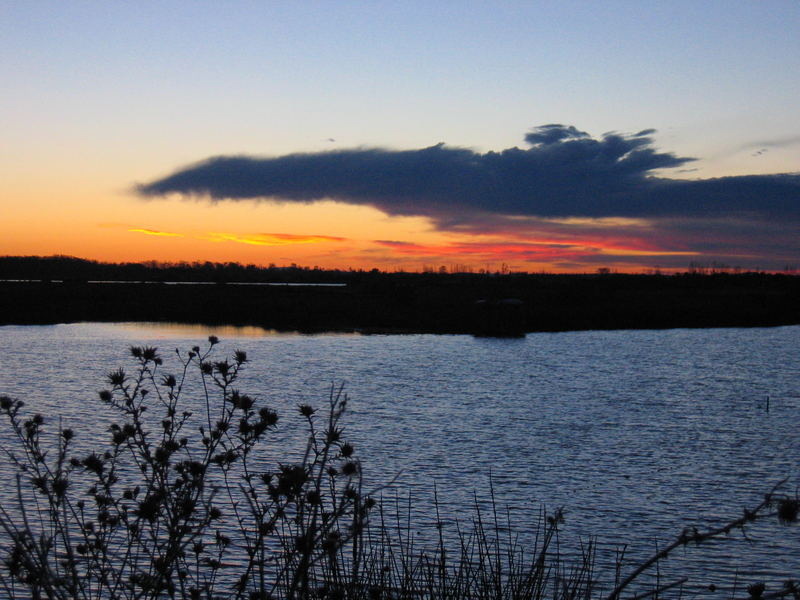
390 303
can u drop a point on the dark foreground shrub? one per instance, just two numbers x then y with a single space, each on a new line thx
177 505
172 509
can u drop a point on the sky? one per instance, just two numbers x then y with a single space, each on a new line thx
532 136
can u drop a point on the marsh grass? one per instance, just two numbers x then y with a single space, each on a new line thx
178 505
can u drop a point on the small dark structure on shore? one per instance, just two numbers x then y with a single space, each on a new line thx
500 318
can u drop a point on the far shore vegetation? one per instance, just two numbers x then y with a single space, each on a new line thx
42 290
69 268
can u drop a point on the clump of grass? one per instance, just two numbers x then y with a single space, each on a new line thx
176 505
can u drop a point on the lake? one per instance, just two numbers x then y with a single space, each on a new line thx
637 434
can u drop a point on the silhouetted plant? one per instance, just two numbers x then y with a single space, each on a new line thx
766 508
163 512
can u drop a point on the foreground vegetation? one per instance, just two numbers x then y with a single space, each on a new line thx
182 505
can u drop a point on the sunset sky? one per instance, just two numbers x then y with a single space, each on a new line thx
548 136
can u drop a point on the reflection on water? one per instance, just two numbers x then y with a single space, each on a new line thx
159 330
636 433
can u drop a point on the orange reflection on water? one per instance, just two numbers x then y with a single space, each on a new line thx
198 331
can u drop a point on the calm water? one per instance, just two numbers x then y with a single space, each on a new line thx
637 434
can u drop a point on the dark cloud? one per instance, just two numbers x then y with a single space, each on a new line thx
553 133
563 173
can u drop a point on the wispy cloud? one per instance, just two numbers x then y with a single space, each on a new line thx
781 142
527 250
256 239
155 232
270 239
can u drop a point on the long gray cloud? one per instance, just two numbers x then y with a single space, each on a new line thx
563 173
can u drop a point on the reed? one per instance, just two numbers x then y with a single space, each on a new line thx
177 505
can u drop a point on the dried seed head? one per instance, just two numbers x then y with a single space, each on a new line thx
222 367
270 417
93 463
788 510
116 377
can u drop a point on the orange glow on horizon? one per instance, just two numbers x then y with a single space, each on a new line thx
91 220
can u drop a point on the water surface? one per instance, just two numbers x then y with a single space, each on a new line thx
637 434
